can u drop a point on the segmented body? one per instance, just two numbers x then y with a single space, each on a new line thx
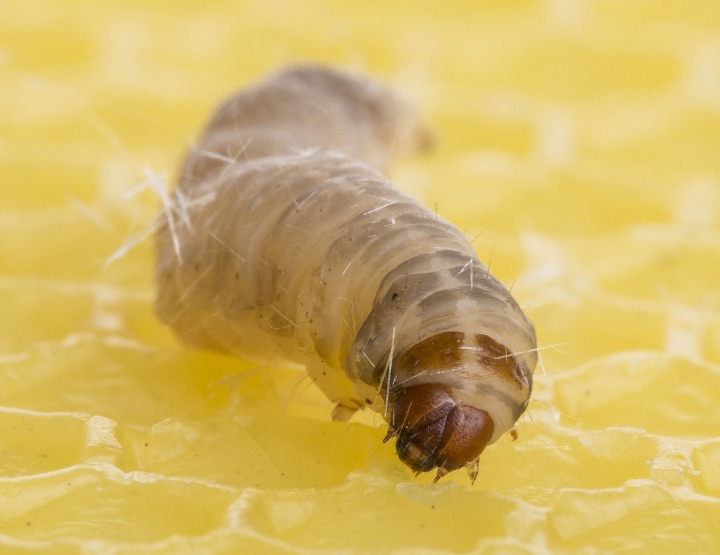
284 239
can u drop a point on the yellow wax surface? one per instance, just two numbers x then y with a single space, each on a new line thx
578 144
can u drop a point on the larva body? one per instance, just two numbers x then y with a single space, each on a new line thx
283 239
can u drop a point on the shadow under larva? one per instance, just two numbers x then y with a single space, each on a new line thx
283 239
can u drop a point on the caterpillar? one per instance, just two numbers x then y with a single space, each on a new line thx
283 239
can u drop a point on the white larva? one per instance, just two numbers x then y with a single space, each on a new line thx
283 239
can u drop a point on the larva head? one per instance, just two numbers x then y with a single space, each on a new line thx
434 430
471 391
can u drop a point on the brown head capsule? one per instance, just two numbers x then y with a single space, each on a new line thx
434 430
454 394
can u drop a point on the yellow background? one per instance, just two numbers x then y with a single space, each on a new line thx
578 144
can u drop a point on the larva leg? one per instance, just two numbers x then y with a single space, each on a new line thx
345 409
338 391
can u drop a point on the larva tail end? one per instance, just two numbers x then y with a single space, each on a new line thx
425 139
434 430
